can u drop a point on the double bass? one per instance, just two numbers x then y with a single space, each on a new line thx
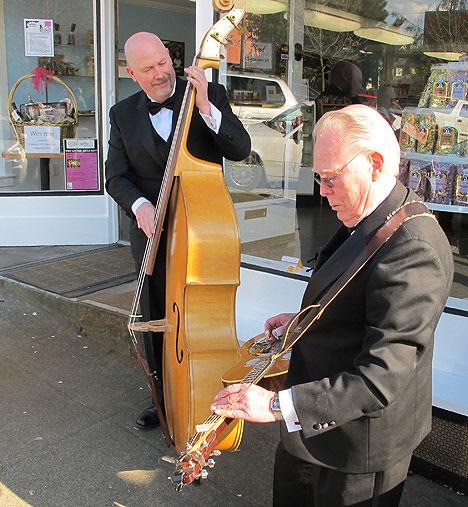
202 274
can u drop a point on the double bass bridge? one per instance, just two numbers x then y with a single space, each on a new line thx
151 326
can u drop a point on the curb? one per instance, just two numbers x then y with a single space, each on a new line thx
98 322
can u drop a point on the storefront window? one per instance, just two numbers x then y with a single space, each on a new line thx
408 60
48 133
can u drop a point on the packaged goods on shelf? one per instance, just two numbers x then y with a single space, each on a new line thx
409 128
438 179
419 170
440 182
460 195
446 84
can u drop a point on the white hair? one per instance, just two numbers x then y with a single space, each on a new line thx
361 128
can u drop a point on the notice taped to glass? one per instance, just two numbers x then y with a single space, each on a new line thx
81 164
38 37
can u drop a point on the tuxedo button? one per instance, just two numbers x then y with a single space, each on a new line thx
317 426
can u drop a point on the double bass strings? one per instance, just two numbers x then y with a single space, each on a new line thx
157 217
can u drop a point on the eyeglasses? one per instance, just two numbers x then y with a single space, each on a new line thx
330 182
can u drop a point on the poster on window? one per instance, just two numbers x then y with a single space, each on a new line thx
38 37
81 164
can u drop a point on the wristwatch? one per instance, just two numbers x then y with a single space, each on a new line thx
275 407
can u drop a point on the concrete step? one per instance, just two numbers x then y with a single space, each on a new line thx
102 319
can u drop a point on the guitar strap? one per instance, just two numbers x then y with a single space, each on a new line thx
304 319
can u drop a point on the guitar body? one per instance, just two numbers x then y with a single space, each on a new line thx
251 354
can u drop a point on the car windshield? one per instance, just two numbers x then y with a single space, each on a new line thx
291 116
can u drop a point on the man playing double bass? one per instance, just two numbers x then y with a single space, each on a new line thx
358 395
142 128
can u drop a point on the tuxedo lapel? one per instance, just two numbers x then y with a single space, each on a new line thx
339 252
333 261
144 127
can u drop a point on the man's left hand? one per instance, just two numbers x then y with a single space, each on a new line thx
253 405
197 78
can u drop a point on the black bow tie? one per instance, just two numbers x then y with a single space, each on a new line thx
155 107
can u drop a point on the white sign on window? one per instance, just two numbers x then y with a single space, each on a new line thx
41 139
259 56
38 37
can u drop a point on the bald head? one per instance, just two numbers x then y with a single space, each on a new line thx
140 42
150 65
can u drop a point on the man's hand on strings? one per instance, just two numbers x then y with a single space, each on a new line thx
253 405
145 218
196 76
276 326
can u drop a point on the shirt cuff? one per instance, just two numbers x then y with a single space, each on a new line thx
288 411
138 203
213 121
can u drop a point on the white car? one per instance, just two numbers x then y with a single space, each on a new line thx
258 97
277 150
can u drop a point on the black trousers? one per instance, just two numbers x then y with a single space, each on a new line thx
299 483
152 301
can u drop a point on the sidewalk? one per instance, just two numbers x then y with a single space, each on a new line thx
69 401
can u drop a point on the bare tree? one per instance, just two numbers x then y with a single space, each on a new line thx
446 28
330 47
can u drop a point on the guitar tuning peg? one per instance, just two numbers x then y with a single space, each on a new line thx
203 474
211 463
215 452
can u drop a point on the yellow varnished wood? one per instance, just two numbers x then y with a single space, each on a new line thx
222 5
203 260
202 275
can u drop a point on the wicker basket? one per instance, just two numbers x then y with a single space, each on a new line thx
67 129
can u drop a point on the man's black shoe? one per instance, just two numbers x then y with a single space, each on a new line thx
148 419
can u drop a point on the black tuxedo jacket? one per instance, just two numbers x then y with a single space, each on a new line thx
361 378
135 163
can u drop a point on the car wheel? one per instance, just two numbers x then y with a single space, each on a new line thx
245 175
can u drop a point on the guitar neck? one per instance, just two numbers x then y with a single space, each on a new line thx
213 426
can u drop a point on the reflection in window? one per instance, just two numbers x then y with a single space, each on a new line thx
408 61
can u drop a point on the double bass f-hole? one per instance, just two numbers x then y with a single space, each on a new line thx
180 357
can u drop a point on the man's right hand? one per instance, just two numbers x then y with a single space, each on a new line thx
276 326
145 218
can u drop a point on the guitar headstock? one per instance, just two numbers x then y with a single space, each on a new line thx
193 464
217 34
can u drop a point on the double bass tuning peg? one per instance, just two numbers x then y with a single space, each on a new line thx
224 42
